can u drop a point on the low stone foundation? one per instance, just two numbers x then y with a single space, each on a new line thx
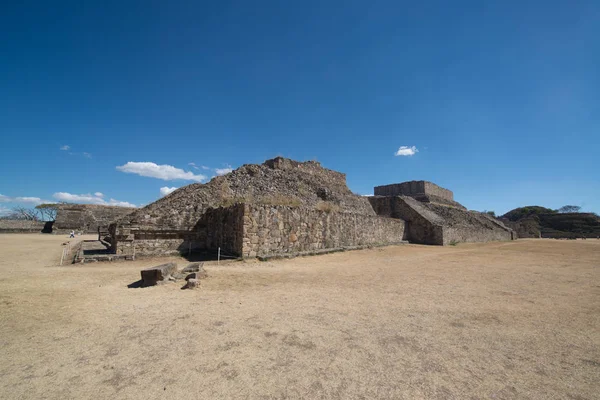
20 226
291 230
87 218
248 230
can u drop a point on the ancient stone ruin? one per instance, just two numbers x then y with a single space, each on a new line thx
81 218
283 208
87 218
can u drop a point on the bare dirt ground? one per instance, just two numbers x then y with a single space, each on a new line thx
517 320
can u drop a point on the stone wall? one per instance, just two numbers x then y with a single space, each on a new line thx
152 243
284 230
259 230
428 223
223 227
414 188
435 190
87 217
279 181
20 226
218 227
422 225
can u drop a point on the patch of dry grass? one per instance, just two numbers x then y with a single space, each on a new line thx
511 320
327 206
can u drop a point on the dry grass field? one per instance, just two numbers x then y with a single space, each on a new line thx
517 320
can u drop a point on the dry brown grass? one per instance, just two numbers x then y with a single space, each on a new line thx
516 320
327 206
274 200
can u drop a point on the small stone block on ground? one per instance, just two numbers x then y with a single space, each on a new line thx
197 267
193 267
192 283
151 276
197 275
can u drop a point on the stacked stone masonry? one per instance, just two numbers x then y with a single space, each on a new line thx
413 189
288 230
436 224
247 230
87 218
285 207
20 226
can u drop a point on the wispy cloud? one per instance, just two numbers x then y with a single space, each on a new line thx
78 198
113 202
165 190
407 151
223 171
90 199
66 148
21 199
96 198
196 166
164 172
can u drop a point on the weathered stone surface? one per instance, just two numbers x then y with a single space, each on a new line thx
295 230
288 207
192 284
20 226
151 276
193 267
413 188
429 223
197 275
87 217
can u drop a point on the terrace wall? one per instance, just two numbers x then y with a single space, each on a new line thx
281 230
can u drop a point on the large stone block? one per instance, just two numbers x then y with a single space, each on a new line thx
151 276
194 267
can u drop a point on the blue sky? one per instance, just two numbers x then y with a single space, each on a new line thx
501 100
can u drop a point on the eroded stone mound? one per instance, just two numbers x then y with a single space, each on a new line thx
277 182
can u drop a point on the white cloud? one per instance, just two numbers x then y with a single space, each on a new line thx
90 199
67 148
204 167
164 172
166 190
22 199
98 194
4 211
223 171
113 202
31 200
407 151
78 198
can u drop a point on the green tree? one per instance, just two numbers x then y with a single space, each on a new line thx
47 211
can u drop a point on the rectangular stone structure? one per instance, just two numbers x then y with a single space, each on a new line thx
151 276
413 189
